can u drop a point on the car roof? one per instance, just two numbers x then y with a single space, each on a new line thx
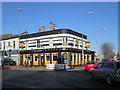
112 61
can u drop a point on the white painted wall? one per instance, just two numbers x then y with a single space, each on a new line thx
55 37
11 44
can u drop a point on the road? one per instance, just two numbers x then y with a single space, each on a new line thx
51 79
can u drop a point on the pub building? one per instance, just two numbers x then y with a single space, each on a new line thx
60 46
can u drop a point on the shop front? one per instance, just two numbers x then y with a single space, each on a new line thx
54 57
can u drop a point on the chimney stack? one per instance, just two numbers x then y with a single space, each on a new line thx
24 33
42 29
52 26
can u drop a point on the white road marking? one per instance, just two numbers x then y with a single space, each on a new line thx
19 85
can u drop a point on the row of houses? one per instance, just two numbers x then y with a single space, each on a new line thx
57 46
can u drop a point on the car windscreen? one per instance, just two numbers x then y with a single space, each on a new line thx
118 65
90 63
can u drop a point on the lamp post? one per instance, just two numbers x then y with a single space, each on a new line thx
83 44
20 13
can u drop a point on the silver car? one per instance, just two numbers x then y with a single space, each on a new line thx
107 70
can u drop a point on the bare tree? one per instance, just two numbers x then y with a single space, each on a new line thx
107 50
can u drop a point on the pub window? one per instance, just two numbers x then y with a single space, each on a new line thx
65 57
38 43
31 56
75 56
27 57
32 46
71 44
13 44
48 57
85 57
51 42
77 42
36 58
65 41
71 56
55 57
57 44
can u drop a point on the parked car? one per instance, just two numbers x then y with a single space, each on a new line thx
7 61
89 65
107 70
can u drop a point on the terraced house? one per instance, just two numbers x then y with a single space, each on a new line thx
9 46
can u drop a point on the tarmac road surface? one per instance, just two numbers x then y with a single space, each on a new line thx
51 79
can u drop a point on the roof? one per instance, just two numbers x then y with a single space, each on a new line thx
7 36
112 61
58 31
10 36
26 35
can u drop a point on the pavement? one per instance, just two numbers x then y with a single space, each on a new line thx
39 68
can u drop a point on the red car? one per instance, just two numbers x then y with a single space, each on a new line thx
89 65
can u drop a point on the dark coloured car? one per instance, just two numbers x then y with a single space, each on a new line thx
8 61
107 70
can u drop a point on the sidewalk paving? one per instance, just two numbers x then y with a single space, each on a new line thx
39 68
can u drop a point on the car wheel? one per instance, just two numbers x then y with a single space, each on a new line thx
108 79
91 76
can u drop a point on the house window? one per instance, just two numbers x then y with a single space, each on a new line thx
13 44
0 45
8 43
4 45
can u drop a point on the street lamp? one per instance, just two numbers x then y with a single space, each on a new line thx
20 13
90 12
82 44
